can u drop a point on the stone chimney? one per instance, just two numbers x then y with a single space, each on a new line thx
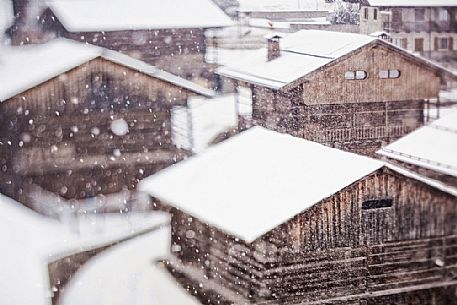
273 49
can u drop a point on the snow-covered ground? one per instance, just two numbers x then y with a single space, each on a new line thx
449 95
28 241
128 274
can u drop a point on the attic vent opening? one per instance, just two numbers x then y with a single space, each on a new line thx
377 204
357 75
389 74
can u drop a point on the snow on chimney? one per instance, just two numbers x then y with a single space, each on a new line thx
273 49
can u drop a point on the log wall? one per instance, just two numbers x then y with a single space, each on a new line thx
343 250
357 127
67 120
356 115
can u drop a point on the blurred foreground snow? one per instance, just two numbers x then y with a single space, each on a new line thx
28 241
127 274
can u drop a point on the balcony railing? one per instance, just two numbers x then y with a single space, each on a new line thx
357 134
419 26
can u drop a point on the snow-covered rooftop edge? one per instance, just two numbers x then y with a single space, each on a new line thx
115 15
412 3
31 65
321 59
433 146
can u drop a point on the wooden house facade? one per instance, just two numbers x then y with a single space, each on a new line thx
349 91
169 35
387 237
79 120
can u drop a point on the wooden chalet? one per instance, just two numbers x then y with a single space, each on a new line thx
349 91
284 220
430 150
168 34
80 120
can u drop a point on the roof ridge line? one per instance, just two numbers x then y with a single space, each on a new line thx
313 55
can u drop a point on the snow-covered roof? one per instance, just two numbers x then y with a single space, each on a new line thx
433 146
285 5
301 53
380 33
28 241
138 279
24 67
152 71
252 182
115 15
412 3
304 52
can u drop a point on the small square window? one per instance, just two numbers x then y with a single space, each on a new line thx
377 204
443 15
420 14
443 43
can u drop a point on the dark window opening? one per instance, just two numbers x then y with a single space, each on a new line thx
396 15
419 44
377 204
365 13
419 14
375 14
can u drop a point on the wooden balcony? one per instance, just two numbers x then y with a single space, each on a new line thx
419 26
356 134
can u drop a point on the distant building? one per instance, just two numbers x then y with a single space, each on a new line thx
348 91
430 150
80 120
196 125
167 34
427 27
292 16
267 218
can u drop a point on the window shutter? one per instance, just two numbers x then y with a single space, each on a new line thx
437 43
404 43
450 43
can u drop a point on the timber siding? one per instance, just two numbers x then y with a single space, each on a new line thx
336 252
63 125
329 86
356 115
